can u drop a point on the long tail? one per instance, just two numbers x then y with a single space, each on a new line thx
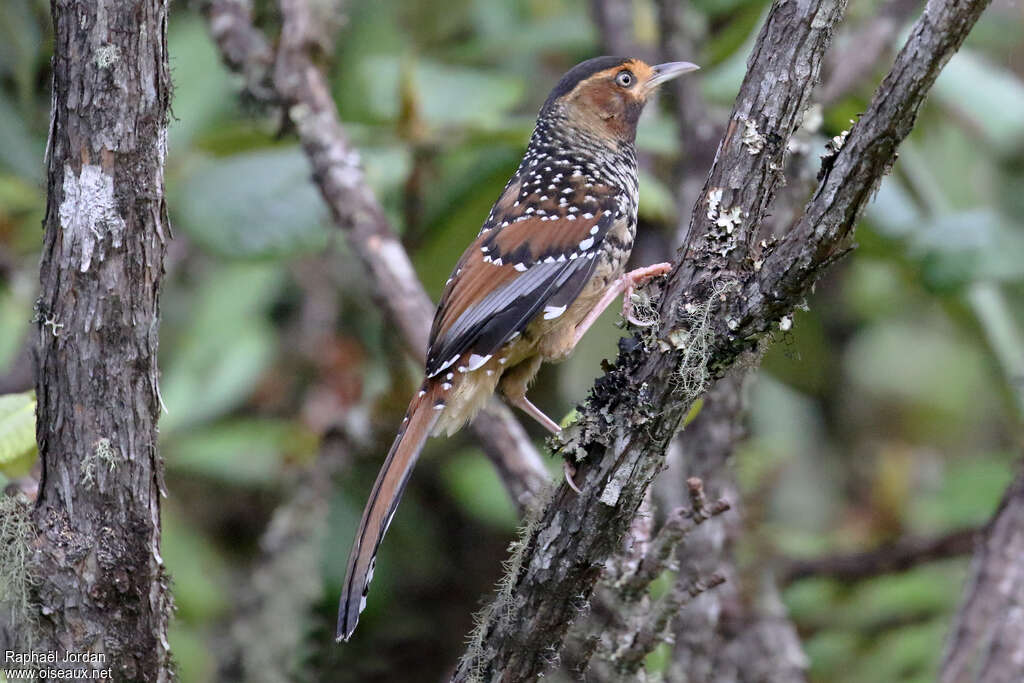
380 508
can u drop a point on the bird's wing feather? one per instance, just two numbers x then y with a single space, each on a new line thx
511 274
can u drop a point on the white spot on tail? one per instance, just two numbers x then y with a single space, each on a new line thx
475 361
551 312
586 244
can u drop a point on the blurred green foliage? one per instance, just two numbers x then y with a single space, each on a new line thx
893 406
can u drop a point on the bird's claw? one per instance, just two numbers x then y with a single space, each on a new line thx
627 313
570 472
638 278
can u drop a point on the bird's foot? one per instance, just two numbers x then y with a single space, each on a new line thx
638 278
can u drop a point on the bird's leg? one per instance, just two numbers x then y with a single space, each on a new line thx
514 382
536 413
533 411
625 286
513 385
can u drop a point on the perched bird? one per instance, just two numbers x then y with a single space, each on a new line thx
549 259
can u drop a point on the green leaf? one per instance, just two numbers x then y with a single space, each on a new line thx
226 344
243 452
957 248
20 152
15 312
209 94
445 95
693 412
255 204
933 375
17 433
201 583
656 201
477 488
990 96
967 493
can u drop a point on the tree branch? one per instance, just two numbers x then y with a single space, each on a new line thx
739 631
291 80
986 642
716 306
900 556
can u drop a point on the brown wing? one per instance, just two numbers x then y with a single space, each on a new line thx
533 263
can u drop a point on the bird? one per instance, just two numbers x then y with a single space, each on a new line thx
549 259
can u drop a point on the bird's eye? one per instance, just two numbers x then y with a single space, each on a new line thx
624 79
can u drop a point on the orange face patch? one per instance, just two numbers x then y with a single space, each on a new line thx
610 101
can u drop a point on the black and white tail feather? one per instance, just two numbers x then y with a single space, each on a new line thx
384 498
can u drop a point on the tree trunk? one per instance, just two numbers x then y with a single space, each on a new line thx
101 585
986 644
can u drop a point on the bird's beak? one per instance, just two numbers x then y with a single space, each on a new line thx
661 73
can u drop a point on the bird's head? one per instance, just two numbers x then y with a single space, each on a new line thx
606 95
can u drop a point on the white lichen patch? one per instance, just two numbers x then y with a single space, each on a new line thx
613 489
103 454
53 325
107 56
836 143
730 219
751 138
714 201
88 213
727 219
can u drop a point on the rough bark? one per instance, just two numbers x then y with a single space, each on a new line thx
290 79
101 581
717 305
986 643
